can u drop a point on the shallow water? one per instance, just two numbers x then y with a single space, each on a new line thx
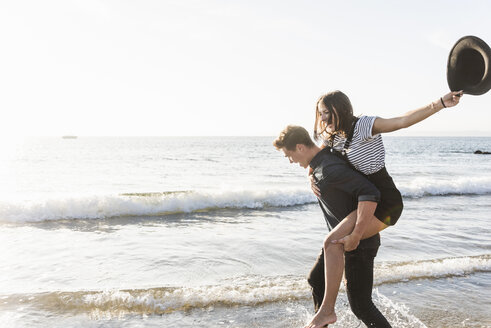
221 232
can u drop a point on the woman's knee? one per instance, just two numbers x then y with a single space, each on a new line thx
329 247
344 228
327 241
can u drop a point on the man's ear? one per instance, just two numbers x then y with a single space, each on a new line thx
300 147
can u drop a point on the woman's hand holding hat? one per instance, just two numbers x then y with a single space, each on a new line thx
452 98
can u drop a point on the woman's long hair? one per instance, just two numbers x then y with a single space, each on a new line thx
341 116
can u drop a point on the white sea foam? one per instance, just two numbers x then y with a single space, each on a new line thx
438 187
150 204
457 266
242 291
399 315
154 204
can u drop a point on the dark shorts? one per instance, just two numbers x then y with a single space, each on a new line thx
389 209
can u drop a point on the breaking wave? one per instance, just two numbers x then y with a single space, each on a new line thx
165 203
420 187
241 291
147 204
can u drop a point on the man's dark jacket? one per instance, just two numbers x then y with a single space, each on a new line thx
341 189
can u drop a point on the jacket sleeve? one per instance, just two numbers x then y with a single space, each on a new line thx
344 178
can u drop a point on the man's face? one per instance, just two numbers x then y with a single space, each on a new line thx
297 156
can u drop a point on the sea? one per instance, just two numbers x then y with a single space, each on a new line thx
222 232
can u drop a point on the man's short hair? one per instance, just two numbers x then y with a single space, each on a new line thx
291 136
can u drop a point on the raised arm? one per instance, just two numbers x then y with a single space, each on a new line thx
382 125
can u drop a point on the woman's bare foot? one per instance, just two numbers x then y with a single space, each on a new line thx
322 319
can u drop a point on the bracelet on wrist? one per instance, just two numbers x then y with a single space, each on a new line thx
443 104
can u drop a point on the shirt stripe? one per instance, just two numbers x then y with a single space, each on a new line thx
366 152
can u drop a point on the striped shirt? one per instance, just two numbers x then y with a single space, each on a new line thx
366 152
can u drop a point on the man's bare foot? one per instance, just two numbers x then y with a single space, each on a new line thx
322 319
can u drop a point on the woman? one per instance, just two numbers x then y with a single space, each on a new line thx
358 140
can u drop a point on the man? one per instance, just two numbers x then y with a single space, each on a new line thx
343 191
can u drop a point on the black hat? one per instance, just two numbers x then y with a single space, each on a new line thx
468 66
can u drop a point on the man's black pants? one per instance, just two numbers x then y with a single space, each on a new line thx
358 266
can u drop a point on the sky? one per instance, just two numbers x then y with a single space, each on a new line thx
228 68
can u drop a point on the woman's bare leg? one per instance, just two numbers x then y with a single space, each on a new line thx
334 265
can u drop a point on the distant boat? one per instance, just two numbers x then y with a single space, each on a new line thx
69 137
